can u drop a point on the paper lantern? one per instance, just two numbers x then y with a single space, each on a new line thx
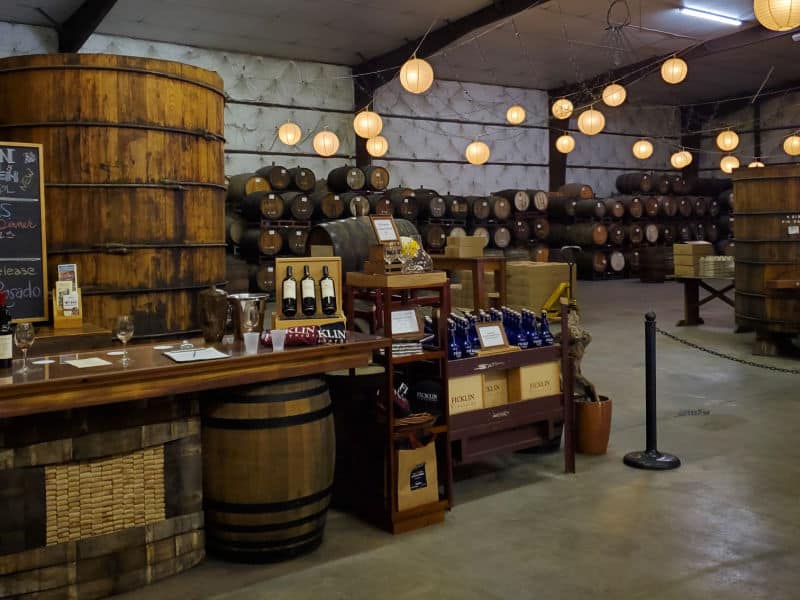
642 149
791 145
562 108
591 122
680 160
477 153
756 164
515 115
377 146
727 141
565 144
326 143
614 94
728 164
778 15
289 133
416 76
367 124
674 70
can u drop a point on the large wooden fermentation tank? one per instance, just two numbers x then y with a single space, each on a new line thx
768 249
134 178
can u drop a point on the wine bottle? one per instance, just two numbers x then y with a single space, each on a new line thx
327 292
6 335
289 305
308 293
453 347
547 336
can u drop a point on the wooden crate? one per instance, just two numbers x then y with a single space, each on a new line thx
315 265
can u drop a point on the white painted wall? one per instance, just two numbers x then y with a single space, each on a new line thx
592 156
428 134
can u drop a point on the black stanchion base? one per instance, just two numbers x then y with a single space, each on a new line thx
652 460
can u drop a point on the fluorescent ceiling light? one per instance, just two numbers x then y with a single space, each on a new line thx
702 14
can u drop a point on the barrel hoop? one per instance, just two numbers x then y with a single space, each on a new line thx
90 290
208 135
291 541
164 184
270 423
765 262
782 241
284 397
265 507
124 248
766 321
201 84
738 213
267 556
265 528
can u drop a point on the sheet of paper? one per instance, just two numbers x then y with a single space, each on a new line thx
195 354
404 321
491 336
84 363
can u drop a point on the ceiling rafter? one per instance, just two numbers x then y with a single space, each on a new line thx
73 33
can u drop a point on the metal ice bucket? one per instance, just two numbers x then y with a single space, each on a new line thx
248 313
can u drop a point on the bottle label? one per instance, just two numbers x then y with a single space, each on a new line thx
6 346
326 288
289 290
307 288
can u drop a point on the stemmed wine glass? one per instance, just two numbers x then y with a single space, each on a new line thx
124 334
24 336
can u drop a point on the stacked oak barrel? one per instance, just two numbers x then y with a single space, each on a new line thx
270 212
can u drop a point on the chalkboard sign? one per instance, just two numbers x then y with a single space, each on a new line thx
23 264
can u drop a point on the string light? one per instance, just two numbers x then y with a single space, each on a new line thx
515 115
756 164
614 94
377 146
681 160
367 124
591 122
791 145
326 143
778 15
728 164
416 75
289 133
565 144
562 109
642 149
674 70
477 153
727 140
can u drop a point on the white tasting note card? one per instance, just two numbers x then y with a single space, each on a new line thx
84 363
384 229
404 321
491 336
195 354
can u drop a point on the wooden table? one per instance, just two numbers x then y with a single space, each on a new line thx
101 469
57 386
692 301
478 265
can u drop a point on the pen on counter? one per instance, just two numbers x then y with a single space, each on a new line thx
194 354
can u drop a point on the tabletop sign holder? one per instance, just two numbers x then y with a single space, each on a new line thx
388 237
493 340
67 300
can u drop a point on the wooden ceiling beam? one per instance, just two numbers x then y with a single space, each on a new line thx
73 33
377 71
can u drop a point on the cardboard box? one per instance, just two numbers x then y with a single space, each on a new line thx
534 381
495 389
693 249
466 393
684 271
468 246
530 284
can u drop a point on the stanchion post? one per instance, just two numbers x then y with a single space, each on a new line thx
651 458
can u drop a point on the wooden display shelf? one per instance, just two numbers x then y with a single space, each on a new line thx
407 281
504 361
412 358
409 429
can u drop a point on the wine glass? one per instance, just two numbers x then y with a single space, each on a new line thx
250 317
24 335
124 334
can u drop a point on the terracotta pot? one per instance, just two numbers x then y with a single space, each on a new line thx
594 425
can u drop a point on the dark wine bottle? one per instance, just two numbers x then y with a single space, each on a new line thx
6 335
327 292
289 306
308 293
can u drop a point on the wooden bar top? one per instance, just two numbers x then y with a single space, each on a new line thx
57 386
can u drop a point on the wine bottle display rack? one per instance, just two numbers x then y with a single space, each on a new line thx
315 265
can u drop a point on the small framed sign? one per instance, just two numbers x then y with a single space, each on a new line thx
491 335
385 229
407 324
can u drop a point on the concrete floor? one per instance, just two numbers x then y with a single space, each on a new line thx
724 525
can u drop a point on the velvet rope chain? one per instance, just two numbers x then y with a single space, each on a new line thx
727 356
